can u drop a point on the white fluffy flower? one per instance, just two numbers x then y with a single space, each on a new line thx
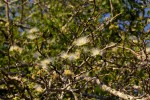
36 55
73 56
33 30
148 49
15 48
95 52
31 36
81 41
64 55
44 63
38 88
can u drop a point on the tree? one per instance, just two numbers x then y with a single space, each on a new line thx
66 49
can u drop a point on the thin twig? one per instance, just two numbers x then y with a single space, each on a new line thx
111 6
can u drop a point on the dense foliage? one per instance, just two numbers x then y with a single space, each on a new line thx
71 49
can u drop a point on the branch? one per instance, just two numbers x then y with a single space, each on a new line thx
138 56
98 97
101 27
15 24
111 6
104 87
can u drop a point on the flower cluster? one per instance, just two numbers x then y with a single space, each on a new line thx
81 41
16 48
